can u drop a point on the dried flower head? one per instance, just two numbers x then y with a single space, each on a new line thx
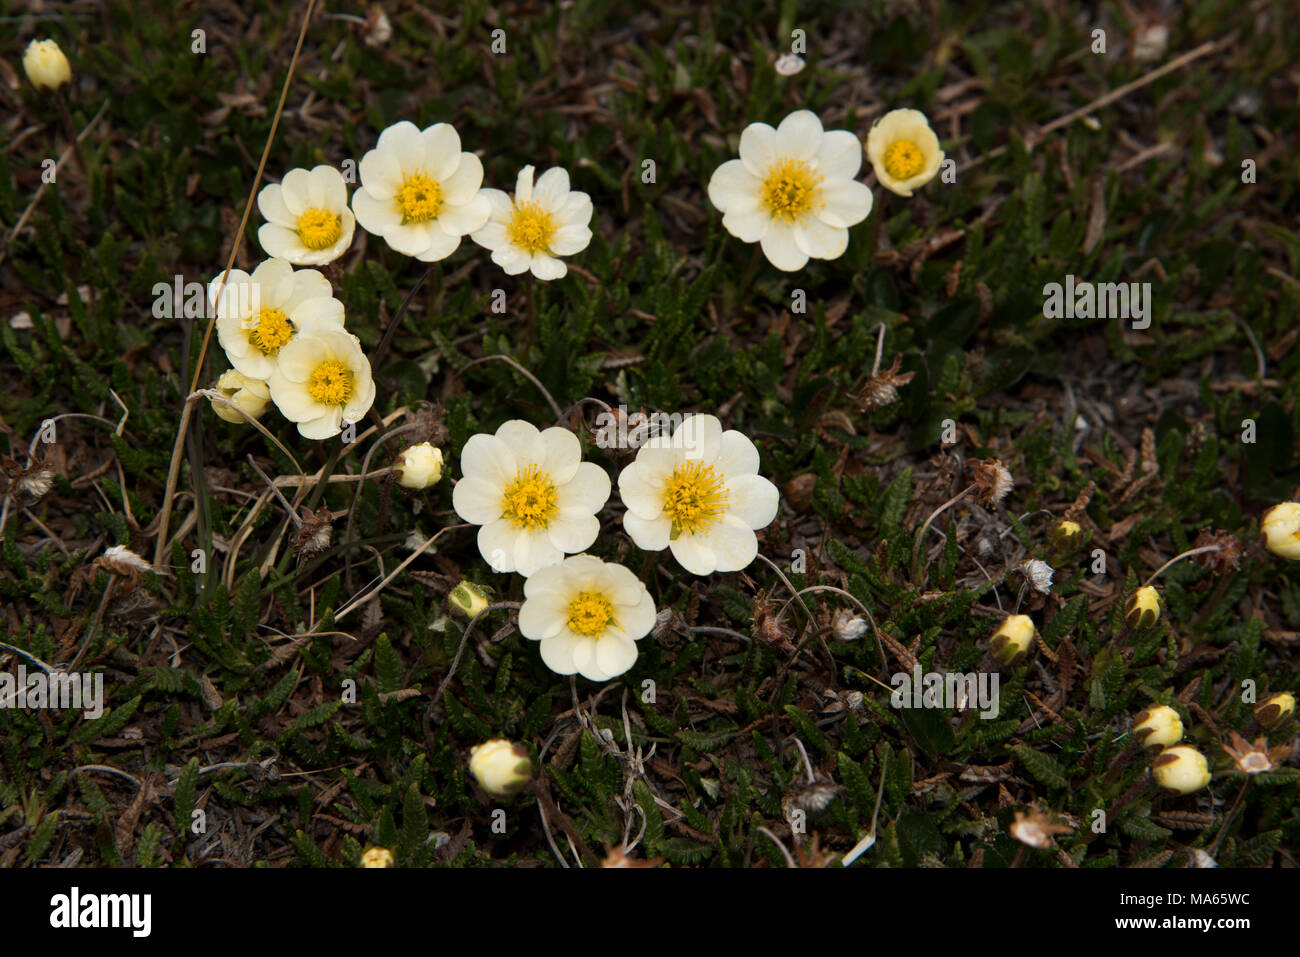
847 626
1036 829
27 485
1038 574
1258 757
315 533
1228 556
882 388
122 561
992 480
788 64
617 857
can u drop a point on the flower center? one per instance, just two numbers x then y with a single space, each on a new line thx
272 331
695 497
330 383
903 159
319 228
530 500
790 191
590 613
531 228
1255 763
419 198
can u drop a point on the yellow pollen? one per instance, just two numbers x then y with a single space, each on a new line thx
695 496
590 613
272 331
419 198
531 228
319 228
791 190
531 499
331 383
903 159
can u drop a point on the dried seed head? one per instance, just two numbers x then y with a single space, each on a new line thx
122 561
992 480
1258 757
27 485
882 388
1035 829
315 534
1038 574
846 626
1228 556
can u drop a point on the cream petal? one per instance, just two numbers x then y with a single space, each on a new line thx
534 550
511 260
699 438
650 535
731 542
694 555
559 653
458 188
753 500
465 219
543 616
441 245
640 496
296 191
333 191
614 656
732 184
293 401
476 500
325 427
496 543
408 147
375 215
560 454
501 205
299 358
573 530
781 250
800 135
587 490
637 619
821 241
523 441
758 148
442 154
547 267
412 239
737 455
576 210
381 175
840 155
488 458
551 188
271 205
569 240
282 242
524 184
492 235
848 203
748 225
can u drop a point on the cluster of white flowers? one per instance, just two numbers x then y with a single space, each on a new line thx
696 492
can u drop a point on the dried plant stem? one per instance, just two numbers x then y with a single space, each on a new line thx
920 537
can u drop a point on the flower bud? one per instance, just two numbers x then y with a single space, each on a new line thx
1158 727
1143 608
1281 528
502 768
1012 640
846 626
1182 769
1064 535
1275 709
377 857
419 466
251 395
468 599
45 65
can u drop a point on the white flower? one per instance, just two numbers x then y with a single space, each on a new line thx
322 380
904 151
792 190
45 65
698 493
532 494
258 314
308 220
541 222
501 767
588 615
418 466
419 191
788 64
251 395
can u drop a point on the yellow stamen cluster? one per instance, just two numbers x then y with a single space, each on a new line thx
272 331
695 496
530 500
590 613
790 191
331 383
419 198
531 228
903 159
319 228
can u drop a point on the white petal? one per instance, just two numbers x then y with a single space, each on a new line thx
758 148
523 441
781 250
737 456
821 241
543 616
551 188
588 490
485 456
560 455
648 534
458 188
800 135
464 219
733 185
699 438
614 656
694 555
848 203
731 542
375 215
748 225
534 550
573 530
441 245
271 205
476 500
496 543
547 267
558 653
840 155
441 151
638 619
753 500
570 239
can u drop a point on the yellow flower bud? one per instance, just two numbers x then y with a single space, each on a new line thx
377 857
45 65
1012 641
468 599
1281 528
502 768
1065 535
1143 608
251 395
419 466
1275 709
1158 727
1182 769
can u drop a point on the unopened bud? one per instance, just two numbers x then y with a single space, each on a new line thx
1182 769
251 395
1143 608
468 599
1158 727
1065 535
45 65
1275 709
1281 528
1012 641
418 466
377 857
501 767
